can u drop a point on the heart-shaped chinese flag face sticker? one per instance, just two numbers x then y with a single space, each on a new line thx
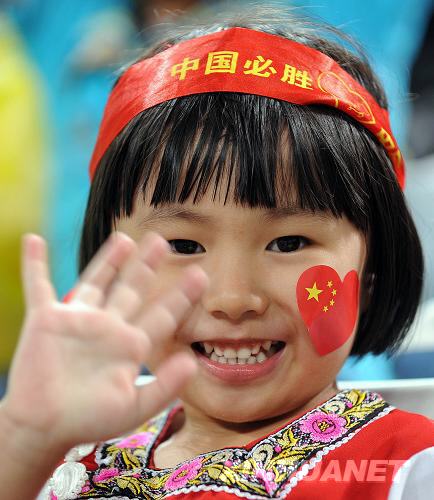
328 306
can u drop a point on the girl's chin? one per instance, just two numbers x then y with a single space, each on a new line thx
243 410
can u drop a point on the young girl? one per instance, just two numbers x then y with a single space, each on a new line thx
261 236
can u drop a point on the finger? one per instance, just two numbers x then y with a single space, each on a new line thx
102 270
128 292
171 378
163 317
38 289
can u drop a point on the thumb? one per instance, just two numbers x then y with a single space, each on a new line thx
171 378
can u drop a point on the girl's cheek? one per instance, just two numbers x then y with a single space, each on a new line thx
329 306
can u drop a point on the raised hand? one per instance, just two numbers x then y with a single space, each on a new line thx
73 373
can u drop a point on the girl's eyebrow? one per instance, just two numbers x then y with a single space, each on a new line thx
161 214
167 213
275 214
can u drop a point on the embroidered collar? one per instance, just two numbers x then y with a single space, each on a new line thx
270 468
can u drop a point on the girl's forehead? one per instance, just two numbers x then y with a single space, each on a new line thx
208 210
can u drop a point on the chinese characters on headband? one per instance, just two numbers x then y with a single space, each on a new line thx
226 61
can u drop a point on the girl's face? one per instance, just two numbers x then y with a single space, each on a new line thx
254 259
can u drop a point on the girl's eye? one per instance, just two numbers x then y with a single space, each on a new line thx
288 244
185 246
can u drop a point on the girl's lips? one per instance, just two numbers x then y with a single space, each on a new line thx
239 373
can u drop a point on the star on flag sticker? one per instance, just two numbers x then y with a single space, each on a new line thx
314 293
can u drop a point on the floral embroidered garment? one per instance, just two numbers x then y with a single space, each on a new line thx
354 445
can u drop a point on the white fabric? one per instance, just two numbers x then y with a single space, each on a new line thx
415 478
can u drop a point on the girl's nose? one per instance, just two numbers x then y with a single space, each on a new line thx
234 293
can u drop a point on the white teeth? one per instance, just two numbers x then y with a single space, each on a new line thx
266 345
256 348
244 353
251 360
208 347
229 353
218 350
261 357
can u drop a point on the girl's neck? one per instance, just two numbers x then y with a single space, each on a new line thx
193 432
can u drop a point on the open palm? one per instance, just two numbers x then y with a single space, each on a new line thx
72 377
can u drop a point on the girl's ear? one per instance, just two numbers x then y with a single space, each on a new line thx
366 291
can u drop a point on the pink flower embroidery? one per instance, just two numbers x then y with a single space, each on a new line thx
105 474
267 478
135 440
180 477
323 427
52 496
86 487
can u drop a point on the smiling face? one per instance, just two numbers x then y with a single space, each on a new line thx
254 258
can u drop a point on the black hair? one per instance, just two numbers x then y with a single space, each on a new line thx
334 164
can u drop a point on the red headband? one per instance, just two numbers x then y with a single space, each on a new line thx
247 61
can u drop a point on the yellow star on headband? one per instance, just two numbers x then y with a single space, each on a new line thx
313 292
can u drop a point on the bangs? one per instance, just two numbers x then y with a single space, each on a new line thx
252 150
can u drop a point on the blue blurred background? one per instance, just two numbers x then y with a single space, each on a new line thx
58 61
